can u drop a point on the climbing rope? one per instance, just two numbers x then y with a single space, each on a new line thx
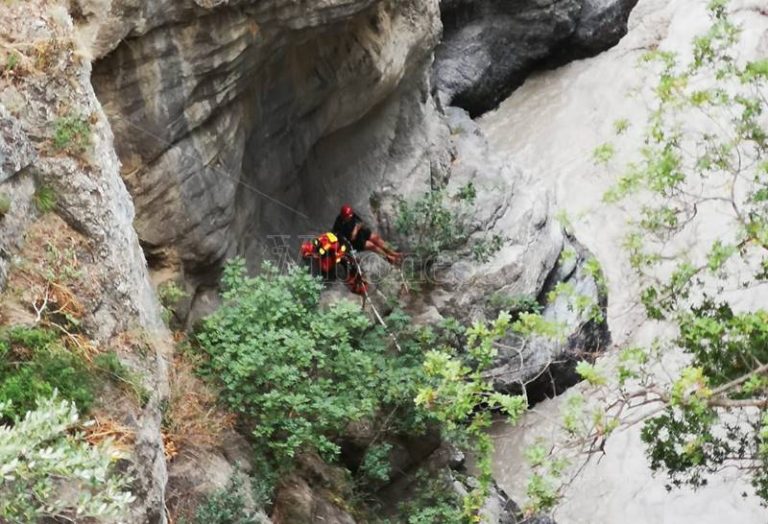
368 299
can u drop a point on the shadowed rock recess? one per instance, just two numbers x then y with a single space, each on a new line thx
490 46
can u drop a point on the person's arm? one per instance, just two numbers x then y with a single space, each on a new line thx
356 230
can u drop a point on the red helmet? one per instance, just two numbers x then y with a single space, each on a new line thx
346 211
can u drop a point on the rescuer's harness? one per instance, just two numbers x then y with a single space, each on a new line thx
329 253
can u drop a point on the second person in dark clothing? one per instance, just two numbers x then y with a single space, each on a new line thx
351 227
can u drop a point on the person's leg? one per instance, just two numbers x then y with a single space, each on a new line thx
371 246
391 255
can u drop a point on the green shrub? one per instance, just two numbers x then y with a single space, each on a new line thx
5 204
225 506
298 374
33 363
375 466
515 305
170 293
109 364
11 61
437 222
41 454
432 500
45 199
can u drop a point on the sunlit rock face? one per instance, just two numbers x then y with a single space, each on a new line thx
550 126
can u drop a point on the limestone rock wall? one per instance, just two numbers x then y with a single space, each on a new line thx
48 87
217 110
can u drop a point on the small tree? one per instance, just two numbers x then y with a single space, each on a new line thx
714 413
437 222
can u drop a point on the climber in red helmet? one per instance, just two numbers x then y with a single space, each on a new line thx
350 226
328 254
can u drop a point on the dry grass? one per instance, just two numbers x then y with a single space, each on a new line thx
193 418
56 279
104 428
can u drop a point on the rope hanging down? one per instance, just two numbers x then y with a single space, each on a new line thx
373 306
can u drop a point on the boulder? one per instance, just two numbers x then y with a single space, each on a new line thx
545 367
490 46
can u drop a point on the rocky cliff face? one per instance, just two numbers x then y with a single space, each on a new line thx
86 210
237 126
224 112
490 46
243 122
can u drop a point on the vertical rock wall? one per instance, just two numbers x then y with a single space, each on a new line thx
49 86
217 112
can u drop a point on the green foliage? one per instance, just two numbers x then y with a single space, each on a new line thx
5 204
45 199
170 294
49 471
533 324
34 364
72 134
457 389
109 364
590 373
297 373
375 466
620 126
604 153
514 305
11 61
432 501
437 222
225 506
682 171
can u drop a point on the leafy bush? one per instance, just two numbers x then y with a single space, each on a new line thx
375 466
33 364
170 294
225 506
432 501
437 222
297 373
47 470
456 389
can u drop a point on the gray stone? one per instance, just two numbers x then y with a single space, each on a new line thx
16 152
545 367
246 102
490 46
92 199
